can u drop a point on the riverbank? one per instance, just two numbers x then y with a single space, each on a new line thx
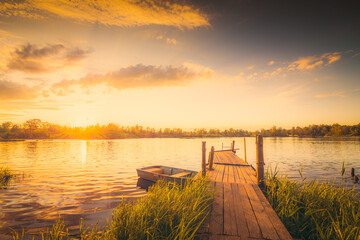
36 129
314 209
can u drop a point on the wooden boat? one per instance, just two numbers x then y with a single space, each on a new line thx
154 173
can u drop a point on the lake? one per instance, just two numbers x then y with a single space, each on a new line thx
85 179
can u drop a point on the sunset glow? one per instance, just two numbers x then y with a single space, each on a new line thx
183 64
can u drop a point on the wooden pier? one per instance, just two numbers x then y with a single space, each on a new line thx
240 209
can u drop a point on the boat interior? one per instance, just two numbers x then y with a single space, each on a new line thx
174 172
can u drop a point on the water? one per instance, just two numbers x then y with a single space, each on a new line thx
86 179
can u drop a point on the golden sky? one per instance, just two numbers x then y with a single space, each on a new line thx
185 64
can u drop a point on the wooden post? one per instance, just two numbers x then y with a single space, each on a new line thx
211 158
245 150
233 146
203 162
352 172
259 160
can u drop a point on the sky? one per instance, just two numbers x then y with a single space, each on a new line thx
247 64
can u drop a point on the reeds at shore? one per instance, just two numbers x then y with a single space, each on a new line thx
5 176
313 209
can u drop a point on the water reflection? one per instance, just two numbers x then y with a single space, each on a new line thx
86 179
83 151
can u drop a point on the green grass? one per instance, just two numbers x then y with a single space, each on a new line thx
169 211
313 209
5 176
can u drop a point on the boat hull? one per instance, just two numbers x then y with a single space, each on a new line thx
154 173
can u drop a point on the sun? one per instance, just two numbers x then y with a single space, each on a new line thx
82 122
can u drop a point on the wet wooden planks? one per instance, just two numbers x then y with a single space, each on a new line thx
240 210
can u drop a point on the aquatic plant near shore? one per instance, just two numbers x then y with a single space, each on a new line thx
313 209
169 211
5 176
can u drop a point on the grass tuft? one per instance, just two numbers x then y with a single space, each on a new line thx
5 176
313 209
169 211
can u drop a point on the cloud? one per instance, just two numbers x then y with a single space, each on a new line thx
12 90
312 62
250 67
167 40
302 64
9 115
76 54
356 54
171 41
292 89
31 51
5 34
139 75
333 94
271 63
124 13
251 77
35 104
34 59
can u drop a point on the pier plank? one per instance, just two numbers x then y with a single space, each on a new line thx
217 216
275 220
240 209
267 229
230 226
252 224
240 175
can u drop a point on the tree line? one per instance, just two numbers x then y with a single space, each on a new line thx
36 129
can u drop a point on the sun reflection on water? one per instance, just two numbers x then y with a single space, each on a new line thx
83 151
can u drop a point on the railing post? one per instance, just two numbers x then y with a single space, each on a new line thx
203 162
259 160
233 146
245 150
211 158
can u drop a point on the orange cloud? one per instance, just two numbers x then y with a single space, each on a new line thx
333 59
271 63
34 59
122 13
8 115
139 75
6 34
303 64
171 41
333 94
312 62
250 67
12 90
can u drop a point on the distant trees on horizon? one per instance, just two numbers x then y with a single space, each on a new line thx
36 129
